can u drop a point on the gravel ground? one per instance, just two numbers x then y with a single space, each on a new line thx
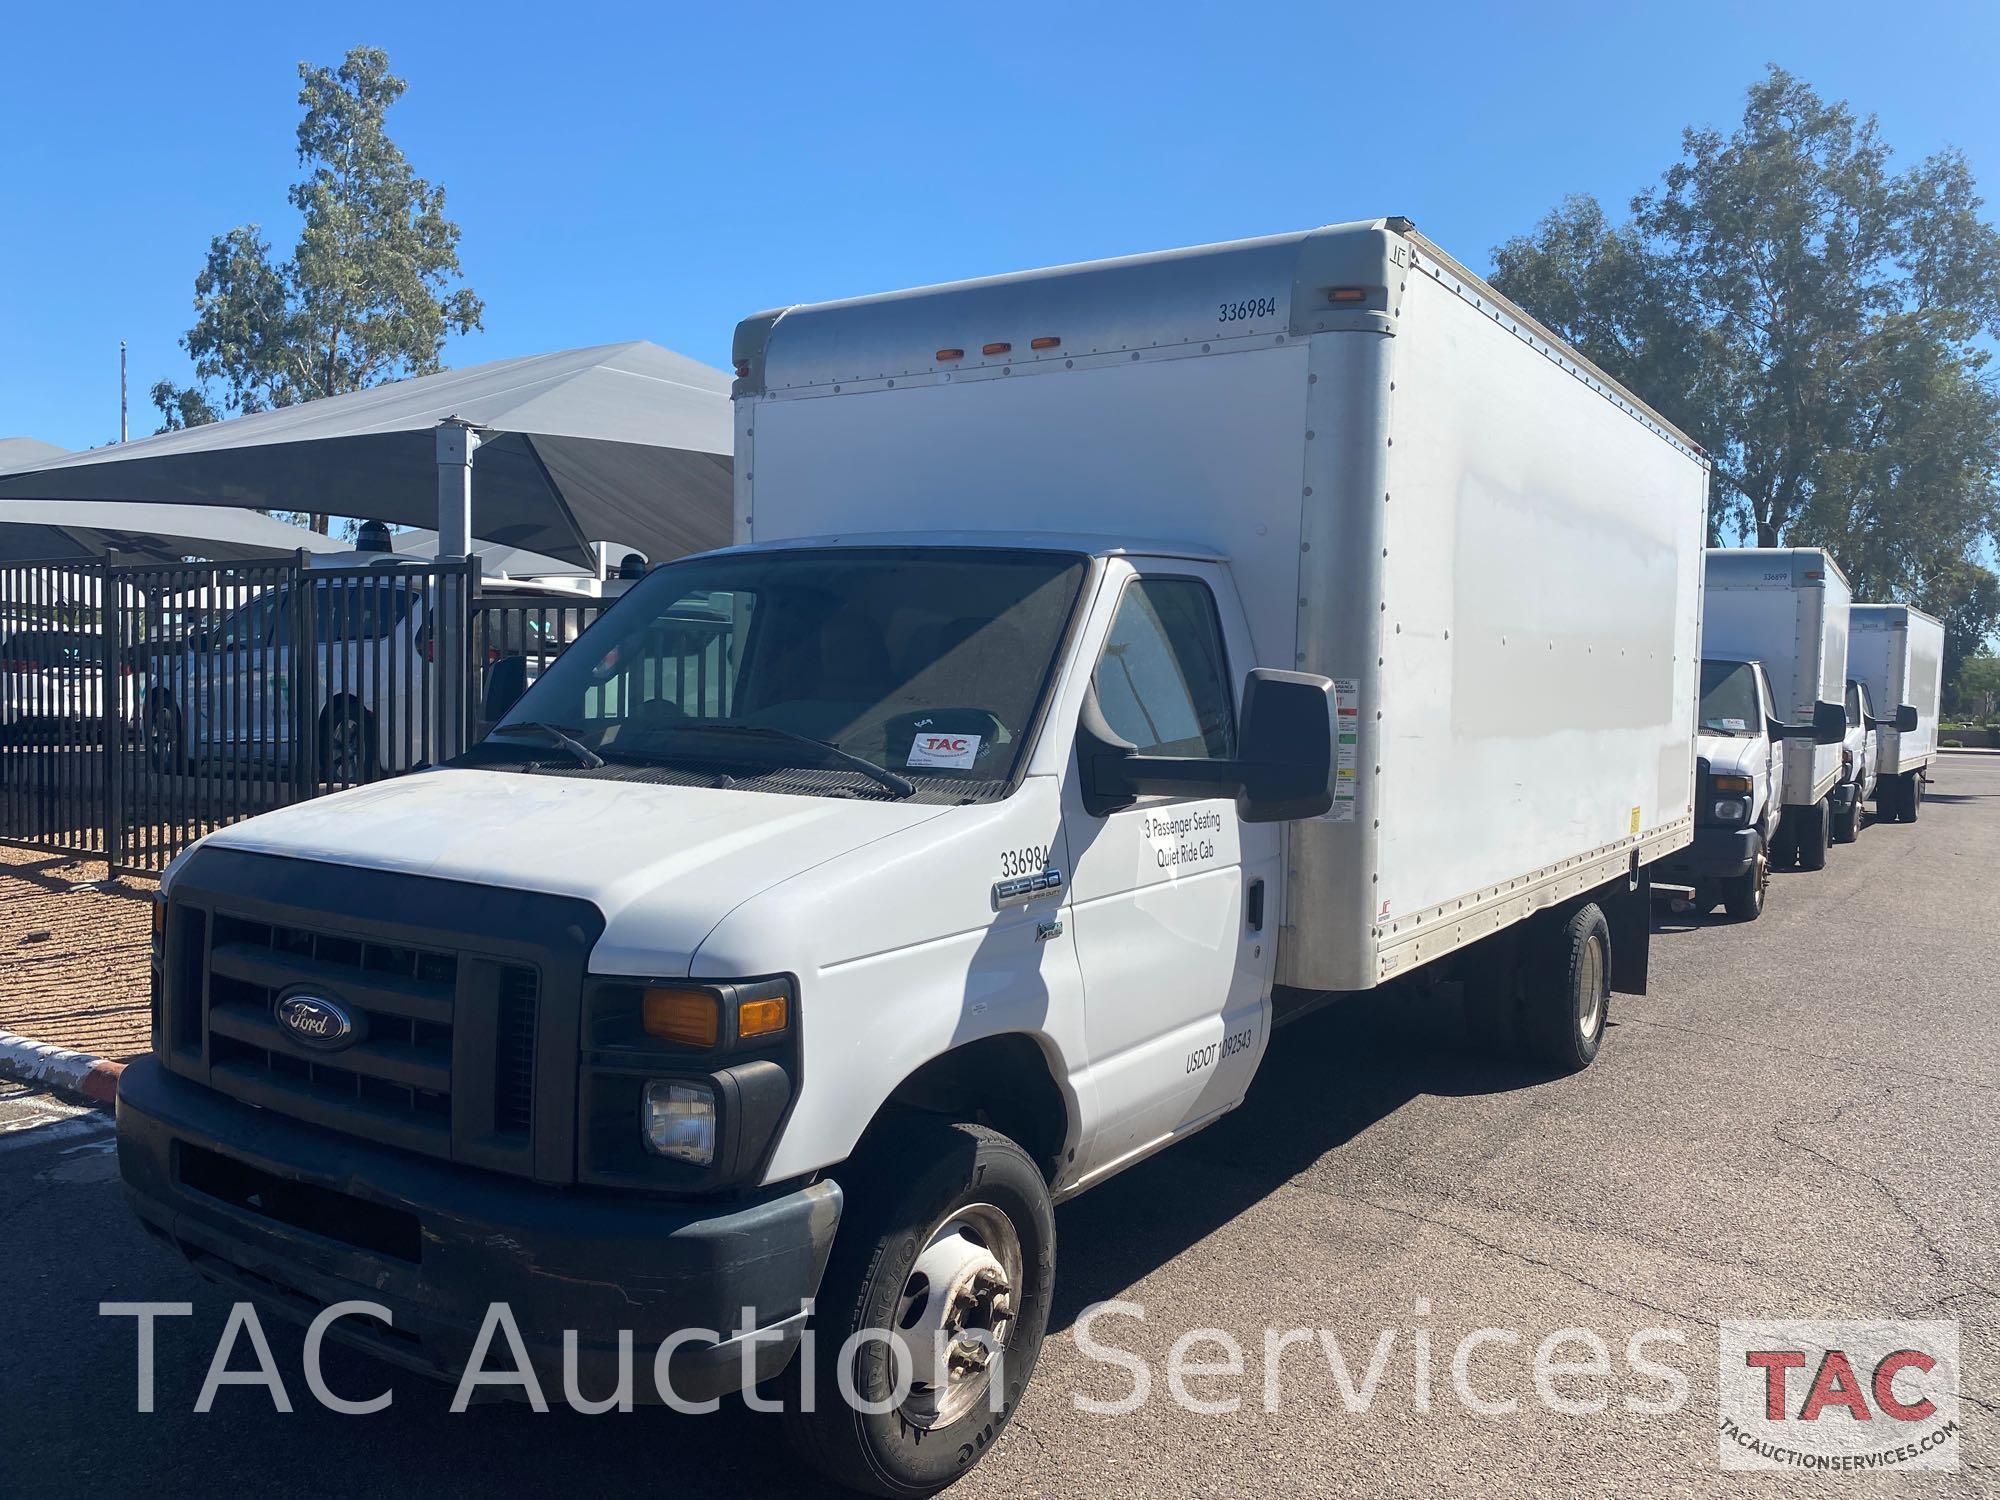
1797 1122
73 954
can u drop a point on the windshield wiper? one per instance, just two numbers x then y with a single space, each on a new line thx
586 756
882 776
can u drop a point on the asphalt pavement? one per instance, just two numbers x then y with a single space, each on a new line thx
1798 1122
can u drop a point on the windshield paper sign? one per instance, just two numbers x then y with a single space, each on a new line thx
954 750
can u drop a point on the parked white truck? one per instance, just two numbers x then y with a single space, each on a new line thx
1117 659
1786 608
1897 651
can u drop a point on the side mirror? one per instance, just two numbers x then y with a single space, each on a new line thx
1283 768
506 681
1828 726
1906 719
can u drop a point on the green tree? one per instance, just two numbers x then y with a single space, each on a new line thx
1815 319
1979 687
368 292
180 406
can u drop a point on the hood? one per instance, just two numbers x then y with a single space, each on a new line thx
1731 755
689 854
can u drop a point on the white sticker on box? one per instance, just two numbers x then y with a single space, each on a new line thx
957 751
1346 746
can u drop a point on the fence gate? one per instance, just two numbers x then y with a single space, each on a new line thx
142 705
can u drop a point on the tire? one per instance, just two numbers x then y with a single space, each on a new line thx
1743 897
1889 794
346 744
902 1208
1913 796
1814 826
1847 825
1567 989
165 733
1784 851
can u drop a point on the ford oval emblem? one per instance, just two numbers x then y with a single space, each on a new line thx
316 1021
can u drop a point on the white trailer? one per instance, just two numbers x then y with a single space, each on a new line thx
1787 607
1116 660
1898 651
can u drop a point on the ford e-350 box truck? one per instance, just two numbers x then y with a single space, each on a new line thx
1898 651
1787 608
1115 660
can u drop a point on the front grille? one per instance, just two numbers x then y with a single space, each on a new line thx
514 1053
394 1084
465 1001
396 1079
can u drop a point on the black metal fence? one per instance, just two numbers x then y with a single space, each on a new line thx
142 705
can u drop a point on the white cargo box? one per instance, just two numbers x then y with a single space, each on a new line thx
1788 608
1493 549
1898 650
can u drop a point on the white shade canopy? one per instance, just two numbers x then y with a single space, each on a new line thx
48 530
622 441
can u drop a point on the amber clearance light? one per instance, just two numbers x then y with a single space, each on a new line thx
761 1017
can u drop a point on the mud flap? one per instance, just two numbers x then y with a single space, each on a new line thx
1628 910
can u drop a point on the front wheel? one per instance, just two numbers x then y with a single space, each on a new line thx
932 1311
1847 824
1913 796
1814 826
1743 896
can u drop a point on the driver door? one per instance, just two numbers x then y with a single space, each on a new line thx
1172 898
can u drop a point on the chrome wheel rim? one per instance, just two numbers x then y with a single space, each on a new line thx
1590 1012
956 1313
343 757
162 736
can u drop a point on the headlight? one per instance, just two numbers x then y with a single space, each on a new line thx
678 1120
1730 810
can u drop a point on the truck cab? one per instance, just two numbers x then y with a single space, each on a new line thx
1860 755
1739 792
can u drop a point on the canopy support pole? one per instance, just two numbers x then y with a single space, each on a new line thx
450 606
457 441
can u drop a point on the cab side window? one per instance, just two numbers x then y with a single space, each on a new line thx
1163 680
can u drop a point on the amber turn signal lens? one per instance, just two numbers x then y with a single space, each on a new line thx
159 919
1047 341
1732 783
760 1017
687 1016
1348 294
945 354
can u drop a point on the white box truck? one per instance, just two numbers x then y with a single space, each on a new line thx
1116 660
1787 608
1897 652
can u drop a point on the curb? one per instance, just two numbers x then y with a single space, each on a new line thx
91 1079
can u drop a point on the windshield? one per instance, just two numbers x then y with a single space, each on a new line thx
928 662
1729 703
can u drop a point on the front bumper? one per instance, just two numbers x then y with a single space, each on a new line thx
1715 854
300 1218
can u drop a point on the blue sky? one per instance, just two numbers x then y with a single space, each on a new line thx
659 171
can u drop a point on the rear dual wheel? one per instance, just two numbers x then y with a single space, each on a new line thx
1542 991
